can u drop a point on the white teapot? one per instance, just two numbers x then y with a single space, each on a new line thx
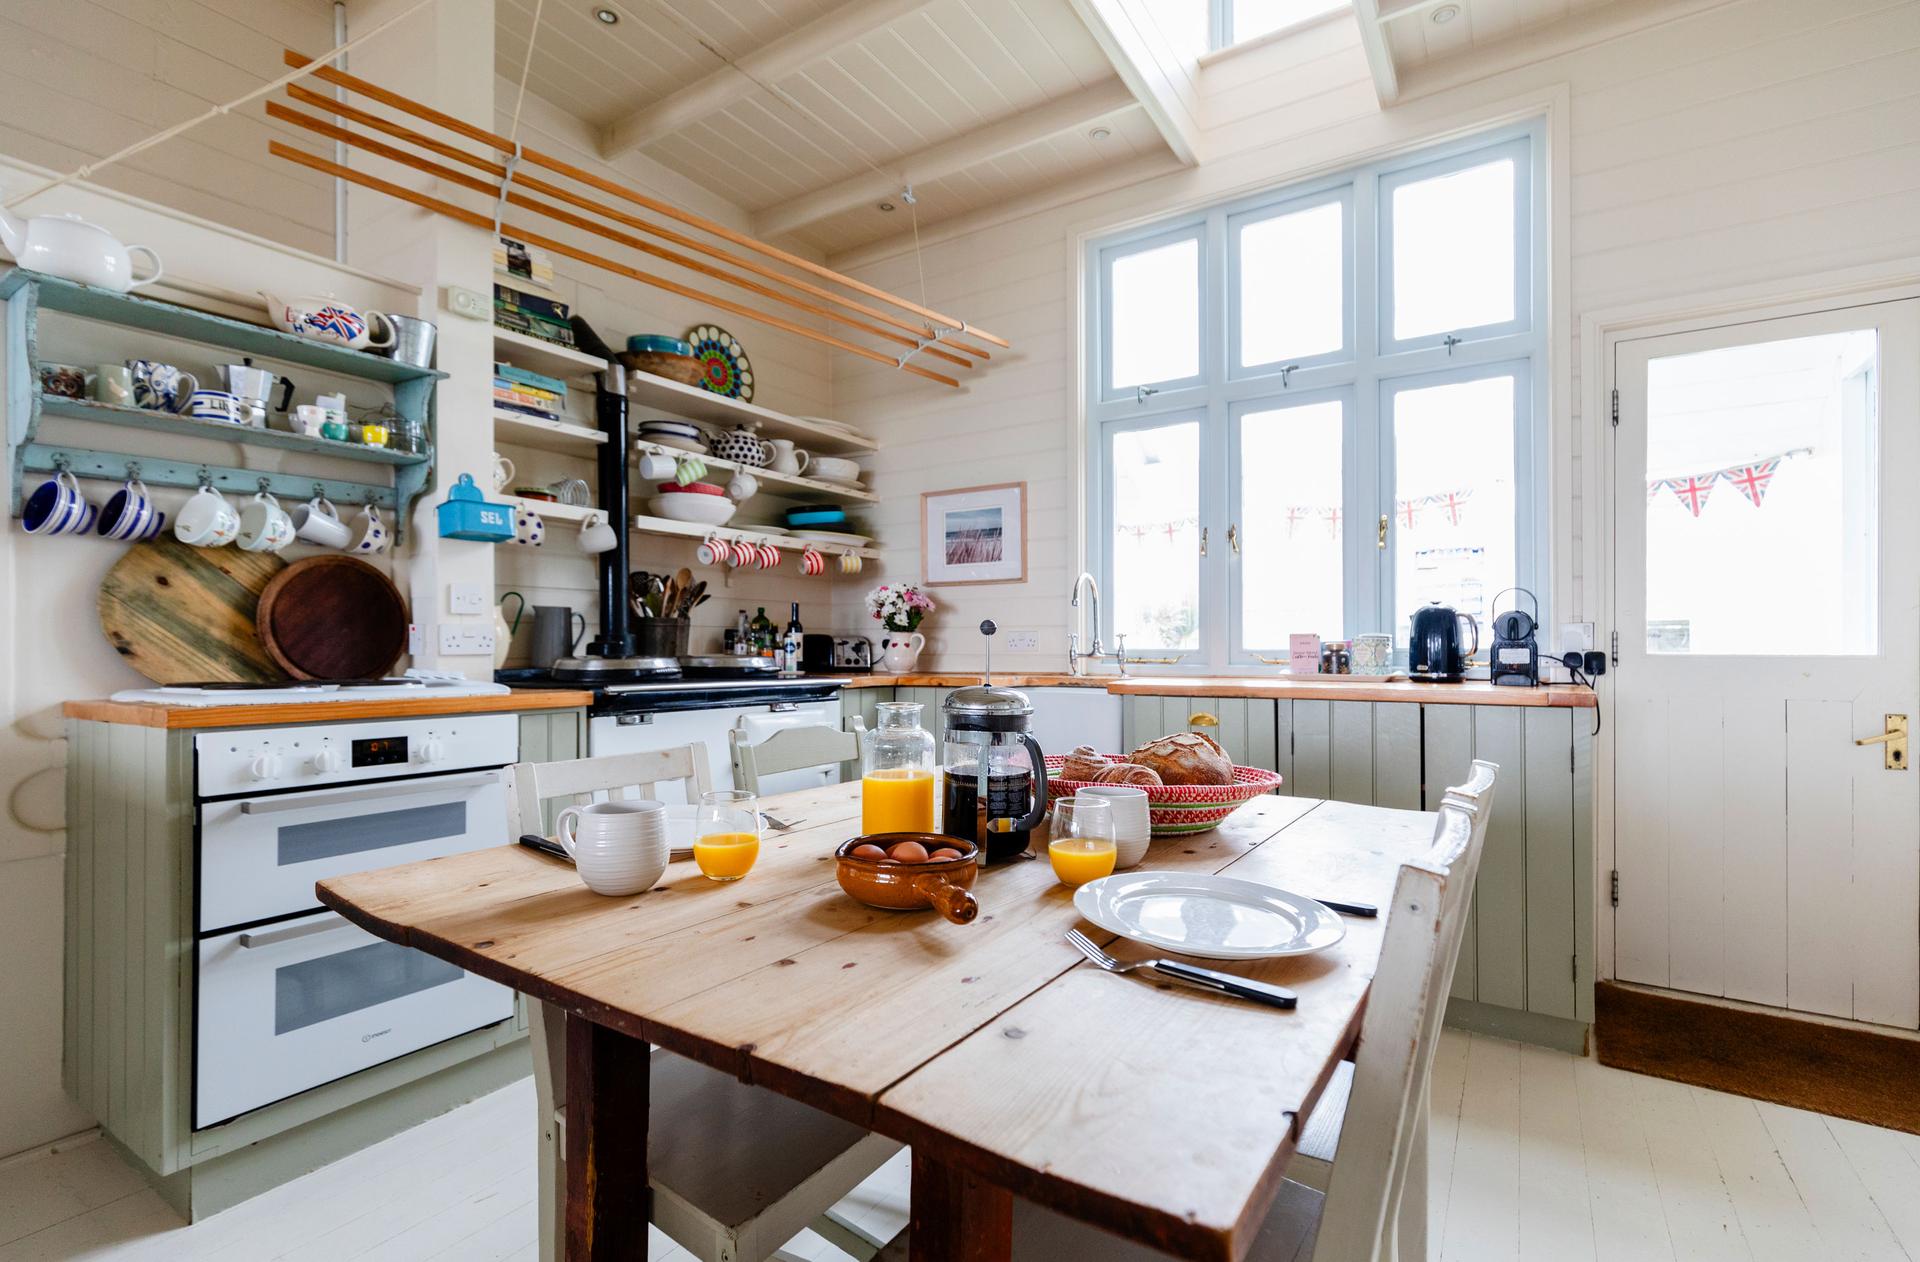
69 247
325 319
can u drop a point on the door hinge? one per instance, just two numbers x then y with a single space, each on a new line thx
1616 407
1613 887
1615 644
1576 968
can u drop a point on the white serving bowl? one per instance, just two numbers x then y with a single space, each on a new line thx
834 469
705 510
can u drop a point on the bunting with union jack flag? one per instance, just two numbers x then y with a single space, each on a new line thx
1751 478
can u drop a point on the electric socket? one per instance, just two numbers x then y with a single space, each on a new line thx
469 303
1023 641
1575 637
466 598
459 640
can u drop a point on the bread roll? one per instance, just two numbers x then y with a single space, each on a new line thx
1186 758
1084 763
1128 773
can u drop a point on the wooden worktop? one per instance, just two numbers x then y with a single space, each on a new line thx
1303 688
140 714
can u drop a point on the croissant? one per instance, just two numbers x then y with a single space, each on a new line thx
1128 773
1084 763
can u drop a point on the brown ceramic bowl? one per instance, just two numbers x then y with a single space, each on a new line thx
895 886
684 369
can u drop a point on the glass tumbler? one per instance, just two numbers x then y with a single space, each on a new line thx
1081 844
726 834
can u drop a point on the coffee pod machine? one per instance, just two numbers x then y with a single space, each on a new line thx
995 772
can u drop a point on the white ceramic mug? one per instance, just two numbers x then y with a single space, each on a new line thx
264 525
371 536
308 419
1132 819
529 528
743 487
215 405
318 521
207 520
618 848
597 535
502 471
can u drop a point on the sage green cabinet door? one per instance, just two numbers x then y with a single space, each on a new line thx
1551 905
1244 726
1500 897
1396 755
1312 749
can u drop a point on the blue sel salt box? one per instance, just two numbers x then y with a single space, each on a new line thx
465 515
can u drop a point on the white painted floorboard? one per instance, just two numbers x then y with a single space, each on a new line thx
1536 1155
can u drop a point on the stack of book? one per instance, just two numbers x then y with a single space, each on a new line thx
522 261
528 393
533 315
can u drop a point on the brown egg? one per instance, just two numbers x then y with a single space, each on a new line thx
945 852
908 852
868 851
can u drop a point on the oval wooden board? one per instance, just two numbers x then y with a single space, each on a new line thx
333 617
180 614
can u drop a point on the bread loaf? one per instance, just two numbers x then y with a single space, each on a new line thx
1128 773
1185 758
1084 763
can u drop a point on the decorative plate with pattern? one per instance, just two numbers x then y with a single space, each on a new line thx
723 362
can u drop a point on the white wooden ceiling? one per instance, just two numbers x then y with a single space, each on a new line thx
1415 38
950 68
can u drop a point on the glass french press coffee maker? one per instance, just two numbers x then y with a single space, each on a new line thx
994 772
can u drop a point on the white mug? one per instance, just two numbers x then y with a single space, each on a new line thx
618 848
1132 819
318 521
264 525
597 535
207 520
308 418
502 471
215 405
743 487
655 467
372 535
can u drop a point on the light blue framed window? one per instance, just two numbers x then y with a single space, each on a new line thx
1329 395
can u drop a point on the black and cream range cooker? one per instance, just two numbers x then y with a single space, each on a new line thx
290 995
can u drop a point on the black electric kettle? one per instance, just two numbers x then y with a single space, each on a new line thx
1434 654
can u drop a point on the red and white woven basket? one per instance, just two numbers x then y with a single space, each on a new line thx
1182 808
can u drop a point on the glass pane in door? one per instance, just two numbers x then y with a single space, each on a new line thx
1156 536
331 986
1291 558
355 834
1763 498
1454 524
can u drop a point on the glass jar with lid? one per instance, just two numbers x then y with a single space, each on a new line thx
896 772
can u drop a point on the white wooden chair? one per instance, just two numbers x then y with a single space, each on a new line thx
789 749
1375 1209
736 1170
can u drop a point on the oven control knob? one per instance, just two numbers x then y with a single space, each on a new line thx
267 766
432 750
327 761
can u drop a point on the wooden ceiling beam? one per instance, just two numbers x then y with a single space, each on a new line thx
1373 42
1142 64
740 79
1016 131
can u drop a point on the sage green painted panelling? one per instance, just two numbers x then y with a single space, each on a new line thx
1550 856
1283 746
1500 894
1583 869
1447 757
1262 732
1396 756
1350 742
1312 749
124 830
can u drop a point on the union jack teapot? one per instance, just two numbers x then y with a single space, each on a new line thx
326 319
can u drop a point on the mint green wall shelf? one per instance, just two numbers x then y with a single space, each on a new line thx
28 293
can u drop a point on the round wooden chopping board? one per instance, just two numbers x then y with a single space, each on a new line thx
333 617
183 615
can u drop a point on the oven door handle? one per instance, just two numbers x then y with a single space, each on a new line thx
411 789
274 937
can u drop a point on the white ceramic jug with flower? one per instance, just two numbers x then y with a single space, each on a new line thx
899 607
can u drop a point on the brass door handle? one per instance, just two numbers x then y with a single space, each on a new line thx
1895 741
1200 718
1383 530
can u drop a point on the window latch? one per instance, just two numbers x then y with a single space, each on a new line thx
1233 538
1142 393
1449 341
1287 372
1383 531
1203 541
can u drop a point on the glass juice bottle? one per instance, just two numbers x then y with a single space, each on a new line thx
896 772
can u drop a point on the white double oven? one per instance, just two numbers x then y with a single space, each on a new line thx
288 994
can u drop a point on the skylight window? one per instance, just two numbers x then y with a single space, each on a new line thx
1236 21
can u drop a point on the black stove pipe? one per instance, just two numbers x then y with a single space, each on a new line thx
610 412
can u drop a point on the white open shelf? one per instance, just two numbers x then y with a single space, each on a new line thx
553 510
768 478
643 525
657 394
561 436
531 353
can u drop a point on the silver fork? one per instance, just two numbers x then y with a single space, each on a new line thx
1192 975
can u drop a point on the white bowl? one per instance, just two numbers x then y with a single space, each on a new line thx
706 510
833 469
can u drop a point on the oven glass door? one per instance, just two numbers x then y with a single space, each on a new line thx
259 858
290 1006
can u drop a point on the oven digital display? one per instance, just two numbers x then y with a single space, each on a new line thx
380 751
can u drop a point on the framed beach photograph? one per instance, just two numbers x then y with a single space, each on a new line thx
976 534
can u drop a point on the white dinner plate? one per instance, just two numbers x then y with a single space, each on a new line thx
1213 917
833 536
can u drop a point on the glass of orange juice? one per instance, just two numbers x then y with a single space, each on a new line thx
1082 843
726 834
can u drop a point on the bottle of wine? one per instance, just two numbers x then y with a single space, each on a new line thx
762 627
790 643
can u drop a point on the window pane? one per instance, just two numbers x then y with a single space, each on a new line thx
1291 575
1453 511
1763 479
1293 301
1156 315
1453 251
1253 18
1156 536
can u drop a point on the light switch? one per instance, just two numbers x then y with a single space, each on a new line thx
469 303
467 598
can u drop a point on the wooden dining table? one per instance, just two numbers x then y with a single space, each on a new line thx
1011 1065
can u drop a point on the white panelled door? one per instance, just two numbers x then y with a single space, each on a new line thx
1767 602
